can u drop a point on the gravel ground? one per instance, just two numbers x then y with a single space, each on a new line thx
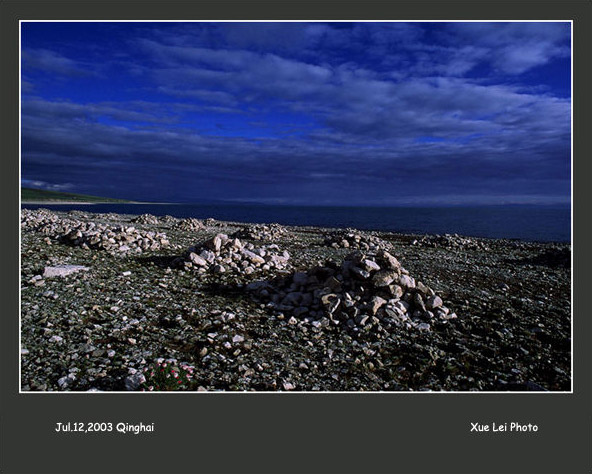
129 318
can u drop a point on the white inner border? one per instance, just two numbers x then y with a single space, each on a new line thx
305 21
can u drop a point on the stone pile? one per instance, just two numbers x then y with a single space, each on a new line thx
82 215
107 216
44 221
451 241
211 222
120 239
221 254
261 232
368 290
351 239
146 219
191 225
91 235
168 220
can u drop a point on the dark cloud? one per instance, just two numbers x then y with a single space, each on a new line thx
363 113
514 48
47 186
52 62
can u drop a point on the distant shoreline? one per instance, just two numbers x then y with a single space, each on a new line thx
69 203
546 225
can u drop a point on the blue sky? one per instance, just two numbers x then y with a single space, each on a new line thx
299 113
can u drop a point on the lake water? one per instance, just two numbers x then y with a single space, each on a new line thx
512 222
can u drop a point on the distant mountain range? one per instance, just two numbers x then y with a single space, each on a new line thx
40 195
29 195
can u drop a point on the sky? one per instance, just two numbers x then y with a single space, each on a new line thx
380 114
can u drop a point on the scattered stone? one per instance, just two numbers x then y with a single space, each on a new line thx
353 239
134 381
67 381
362 322
451 241
147 219
262 232
189 225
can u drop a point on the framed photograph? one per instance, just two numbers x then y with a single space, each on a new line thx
285 231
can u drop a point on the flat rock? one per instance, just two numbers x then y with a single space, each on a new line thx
63 270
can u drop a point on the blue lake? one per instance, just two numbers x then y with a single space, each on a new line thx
512 222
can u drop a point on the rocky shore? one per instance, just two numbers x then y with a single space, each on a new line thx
120 303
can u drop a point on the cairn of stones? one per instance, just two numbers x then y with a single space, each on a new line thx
211 222
44 221
351 239
221 254
451 241
169 220
261 232
367 291
108 216
146 219
91 235
120 239
189 225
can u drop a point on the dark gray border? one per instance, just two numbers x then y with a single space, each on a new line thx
264 433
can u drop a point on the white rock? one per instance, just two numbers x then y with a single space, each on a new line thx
200 261
371 265
63 270
208 256
406 281
433 302
218 269
253 257
376 303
